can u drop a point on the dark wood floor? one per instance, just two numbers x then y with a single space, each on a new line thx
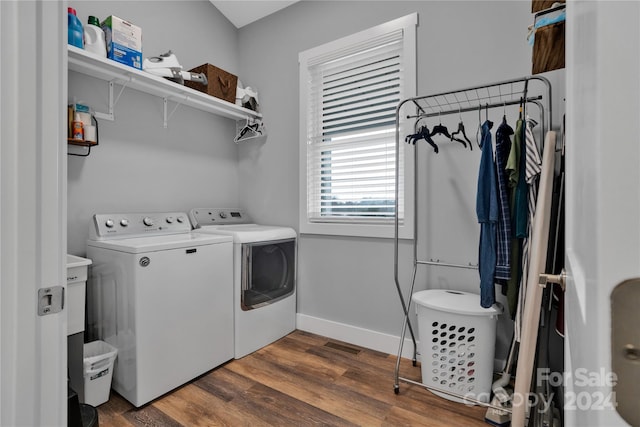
300 380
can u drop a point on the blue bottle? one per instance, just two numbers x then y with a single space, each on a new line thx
75 29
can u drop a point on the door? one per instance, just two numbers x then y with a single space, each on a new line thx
603 201
32 211
268 272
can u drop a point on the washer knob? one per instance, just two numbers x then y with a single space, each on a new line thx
223 215
180 219
147 221
109 223
169 220
124 222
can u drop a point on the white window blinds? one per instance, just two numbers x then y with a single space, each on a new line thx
352 99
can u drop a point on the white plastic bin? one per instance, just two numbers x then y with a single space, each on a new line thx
76 288
99 358
457 343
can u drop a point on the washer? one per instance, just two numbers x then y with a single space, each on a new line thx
162 296
264 276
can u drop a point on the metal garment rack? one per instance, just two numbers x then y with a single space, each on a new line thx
530 91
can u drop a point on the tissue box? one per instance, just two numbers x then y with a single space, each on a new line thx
124 41
221 84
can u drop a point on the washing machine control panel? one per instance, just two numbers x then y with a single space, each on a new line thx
217 216
106 226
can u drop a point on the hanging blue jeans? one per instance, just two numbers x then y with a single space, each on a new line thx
487 212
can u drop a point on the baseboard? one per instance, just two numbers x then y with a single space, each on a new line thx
355 335
365 337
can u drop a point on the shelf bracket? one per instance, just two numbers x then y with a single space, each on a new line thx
107 116
166 116
164 109
112 102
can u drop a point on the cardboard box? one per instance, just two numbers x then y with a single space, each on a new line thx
221 84
538 5
548 48
124 41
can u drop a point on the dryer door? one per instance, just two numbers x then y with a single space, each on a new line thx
268 272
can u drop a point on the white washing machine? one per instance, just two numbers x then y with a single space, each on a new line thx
264 276
162 296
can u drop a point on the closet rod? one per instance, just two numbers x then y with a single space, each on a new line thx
445 264
467 109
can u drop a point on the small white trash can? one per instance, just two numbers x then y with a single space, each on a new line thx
98 361
457 343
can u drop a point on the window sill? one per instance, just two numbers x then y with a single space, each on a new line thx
383 231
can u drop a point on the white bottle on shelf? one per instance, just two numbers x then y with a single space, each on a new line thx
94 40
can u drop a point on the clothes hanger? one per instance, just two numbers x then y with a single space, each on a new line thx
439 129
478 141
486 115
504 113
489 122
249 130
520 109
462 131
423 133
427 137
242 131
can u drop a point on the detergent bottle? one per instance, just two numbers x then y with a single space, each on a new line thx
94 40
75 29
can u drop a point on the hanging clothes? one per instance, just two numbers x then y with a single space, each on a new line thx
520 216
513 166
487 211
533 162
513 172
503 259
533 166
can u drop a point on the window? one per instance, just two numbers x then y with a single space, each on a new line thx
349 91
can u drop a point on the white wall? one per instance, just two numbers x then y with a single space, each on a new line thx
139 165
460 44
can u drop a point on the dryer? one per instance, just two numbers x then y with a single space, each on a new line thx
264 276
162 296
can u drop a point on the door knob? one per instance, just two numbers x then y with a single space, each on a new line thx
625 349
559 279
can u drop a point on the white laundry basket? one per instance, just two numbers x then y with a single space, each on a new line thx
457 343
98 361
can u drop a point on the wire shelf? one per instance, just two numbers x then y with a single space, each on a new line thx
501 94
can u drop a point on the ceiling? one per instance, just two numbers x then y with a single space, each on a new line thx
243 12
